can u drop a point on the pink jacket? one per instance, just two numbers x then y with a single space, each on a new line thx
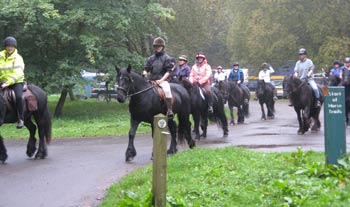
200 74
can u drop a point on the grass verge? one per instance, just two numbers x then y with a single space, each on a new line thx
239 177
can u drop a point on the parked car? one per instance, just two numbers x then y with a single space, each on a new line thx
101 93
279 87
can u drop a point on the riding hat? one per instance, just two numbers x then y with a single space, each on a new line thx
264 65
336 62
235 64
159 42
10 41
219 67
302 51
200 55
183 57
347 60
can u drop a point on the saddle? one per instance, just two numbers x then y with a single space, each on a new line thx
159 90
30 103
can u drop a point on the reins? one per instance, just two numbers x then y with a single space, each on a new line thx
136 93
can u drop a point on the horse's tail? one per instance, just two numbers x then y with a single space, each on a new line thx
184 128
47 125
43 109
219 115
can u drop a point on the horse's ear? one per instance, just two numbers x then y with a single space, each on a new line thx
129 68
117 69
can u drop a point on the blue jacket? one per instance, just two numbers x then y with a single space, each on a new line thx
236 76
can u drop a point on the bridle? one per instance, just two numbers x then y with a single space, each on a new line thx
126 91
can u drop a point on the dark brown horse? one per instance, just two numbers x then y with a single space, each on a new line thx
145 103
264 93
236 96
42 120
304 102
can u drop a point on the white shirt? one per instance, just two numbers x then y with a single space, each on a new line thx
265 75
220 76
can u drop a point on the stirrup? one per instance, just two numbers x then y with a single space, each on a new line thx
275 98
210 109
170 114
19 124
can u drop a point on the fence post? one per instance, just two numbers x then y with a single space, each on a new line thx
160 123
334 125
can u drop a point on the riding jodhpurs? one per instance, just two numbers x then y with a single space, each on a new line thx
166 88
314 87
18 89
207 88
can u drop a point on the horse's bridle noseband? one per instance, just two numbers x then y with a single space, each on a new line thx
126 91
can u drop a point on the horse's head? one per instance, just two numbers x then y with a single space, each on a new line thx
291 84
124 80
260 87
334 80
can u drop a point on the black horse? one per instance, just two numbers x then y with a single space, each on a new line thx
42 120
346 84
199 109
145 103
236 97
302 98
264 93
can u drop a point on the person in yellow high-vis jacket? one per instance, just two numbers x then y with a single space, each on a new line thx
12 74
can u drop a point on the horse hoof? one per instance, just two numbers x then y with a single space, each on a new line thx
225 135
31 152
300 133
3 158
40 155
232 123
129 159
171 151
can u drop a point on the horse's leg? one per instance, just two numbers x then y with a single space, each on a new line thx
231 114
173 129
263 115
131 151
31 146
270 109
307 118
196 119
240 114
204 125
300 130
42 150
3 152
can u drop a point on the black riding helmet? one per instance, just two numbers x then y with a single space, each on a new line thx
235 64
10 41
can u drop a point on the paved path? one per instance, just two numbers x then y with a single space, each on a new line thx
78 171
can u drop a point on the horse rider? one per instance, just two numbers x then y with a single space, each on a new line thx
220 75
336 70
201 74
236 74
183 70
345 67
304 69
159 65
12 74
265 74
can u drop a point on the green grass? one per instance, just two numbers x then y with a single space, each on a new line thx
239 177
83 118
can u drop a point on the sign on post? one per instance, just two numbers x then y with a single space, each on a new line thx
334 124
160 126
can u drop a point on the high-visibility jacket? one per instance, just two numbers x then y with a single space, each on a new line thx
200 73
11 68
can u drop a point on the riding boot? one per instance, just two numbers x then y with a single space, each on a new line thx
20 116
169 104
20 121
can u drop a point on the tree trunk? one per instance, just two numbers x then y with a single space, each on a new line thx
60 104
